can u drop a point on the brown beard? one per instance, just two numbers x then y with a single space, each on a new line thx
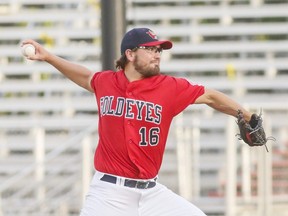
145 71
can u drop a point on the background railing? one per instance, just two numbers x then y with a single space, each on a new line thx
48 125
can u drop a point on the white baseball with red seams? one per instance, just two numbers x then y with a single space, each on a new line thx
28 50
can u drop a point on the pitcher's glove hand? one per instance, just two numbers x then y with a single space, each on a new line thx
252 132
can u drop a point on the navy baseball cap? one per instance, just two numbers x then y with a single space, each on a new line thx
142 37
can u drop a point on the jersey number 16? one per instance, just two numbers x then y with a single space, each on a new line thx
150 137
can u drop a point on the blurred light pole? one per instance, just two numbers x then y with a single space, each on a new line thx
113 27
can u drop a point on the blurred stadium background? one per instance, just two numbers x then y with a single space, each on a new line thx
48 125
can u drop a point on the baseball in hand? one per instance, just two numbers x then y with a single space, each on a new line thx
28 50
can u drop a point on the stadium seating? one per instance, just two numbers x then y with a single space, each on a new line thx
48 125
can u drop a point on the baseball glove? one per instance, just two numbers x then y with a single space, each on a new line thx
252 132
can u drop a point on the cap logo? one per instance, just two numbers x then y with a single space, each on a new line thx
152 35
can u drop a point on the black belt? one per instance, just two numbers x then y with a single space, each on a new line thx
129 182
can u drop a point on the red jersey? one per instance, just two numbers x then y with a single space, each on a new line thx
134 120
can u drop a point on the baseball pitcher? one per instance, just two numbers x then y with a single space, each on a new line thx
136 106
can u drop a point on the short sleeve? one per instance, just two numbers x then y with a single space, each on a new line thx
93 81
186 94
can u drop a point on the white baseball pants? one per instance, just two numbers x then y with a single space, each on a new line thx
108 199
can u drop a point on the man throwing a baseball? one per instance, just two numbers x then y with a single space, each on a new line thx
136 106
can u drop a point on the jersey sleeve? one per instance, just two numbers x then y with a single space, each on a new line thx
94 81
102 78
186 94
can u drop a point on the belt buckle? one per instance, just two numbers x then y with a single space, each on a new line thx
142 184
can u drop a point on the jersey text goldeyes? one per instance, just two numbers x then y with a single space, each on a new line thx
131 109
